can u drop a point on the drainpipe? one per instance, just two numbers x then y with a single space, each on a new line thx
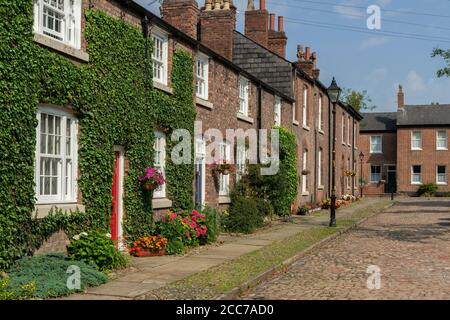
259 120
331 138
316 150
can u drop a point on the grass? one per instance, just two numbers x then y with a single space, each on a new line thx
221 279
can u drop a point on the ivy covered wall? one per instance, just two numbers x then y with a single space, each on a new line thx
113 108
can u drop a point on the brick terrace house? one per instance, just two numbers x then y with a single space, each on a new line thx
241 80
407 148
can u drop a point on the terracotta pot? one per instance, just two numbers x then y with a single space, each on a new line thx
147 253
149 186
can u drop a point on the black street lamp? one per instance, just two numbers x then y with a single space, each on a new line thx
334 93
361 158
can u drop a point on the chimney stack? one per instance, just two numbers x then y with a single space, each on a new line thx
257 23
277 38
315 70
217 25
306 61
182 14
400 98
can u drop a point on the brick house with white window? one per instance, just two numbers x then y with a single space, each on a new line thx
407 148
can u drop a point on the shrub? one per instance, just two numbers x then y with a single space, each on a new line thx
97 248
303 210
46 276
212 222
427 190
182 229
243 215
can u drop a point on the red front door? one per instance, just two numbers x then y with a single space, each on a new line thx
114 223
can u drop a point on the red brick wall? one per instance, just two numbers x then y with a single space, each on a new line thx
428 158
182 14
277 43
257 26
387 158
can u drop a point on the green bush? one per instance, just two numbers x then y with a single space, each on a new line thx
212 224
427 190
243 215
46 276
97 248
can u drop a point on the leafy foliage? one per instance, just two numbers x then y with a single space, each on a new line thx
114 108
244 215
444 54
428 190
212 222
358 100
45 276
96 248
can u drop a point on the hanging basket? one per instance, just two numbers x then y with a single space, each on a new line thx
226 172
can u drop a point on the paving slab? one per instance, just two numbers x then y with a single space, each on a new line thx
124 289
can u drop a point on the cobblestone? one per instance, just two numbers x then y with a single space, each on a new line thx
409 243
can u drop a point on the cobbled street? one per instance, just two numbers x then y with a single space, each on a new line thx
409 243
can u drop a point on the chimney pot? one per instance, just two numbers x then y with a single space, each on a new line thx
300 54
272 22
307 54
280 24
262 4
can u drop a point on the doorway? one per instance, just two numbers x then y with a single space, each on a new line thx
200 173
391 183
117 197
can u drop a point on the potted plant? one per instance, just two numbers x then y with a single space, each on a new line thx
149 246
152 179
350 173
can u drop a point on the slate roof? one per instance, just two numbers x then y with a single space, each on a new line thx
379 121
262 63
424 115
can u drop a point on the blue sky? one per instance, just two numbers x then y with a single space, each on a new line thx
368 60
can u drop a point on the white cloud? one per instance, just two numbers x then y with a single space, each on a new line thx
373 42
415 82
384 3
350 12
424 91
377 76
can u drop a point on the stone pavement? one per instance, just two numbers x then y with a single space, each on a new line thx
147 274
409 243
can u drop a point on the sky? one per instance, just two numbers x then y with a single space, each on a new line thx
362 59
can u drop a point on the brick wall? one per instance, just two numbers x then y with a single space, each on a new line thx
428 158
387 158
182 14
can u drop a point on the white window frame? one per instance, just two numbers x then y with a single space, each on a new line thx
70 23
224 180
416 174
243 95
442 139
348 130
415 140
320 116
202 76
241 161
343 128
304 177
277 111
372 175
319 168
160 55
445 180
63 195
349 168
305 107
372 144
160 163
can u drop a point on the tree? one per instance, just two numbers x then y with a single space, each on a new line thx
357 100
445 54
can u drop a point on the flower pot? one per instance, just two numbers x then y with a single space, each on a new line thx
226 172
148 253
149 186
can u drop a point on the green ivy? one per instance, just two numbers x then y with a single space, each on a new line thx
113 107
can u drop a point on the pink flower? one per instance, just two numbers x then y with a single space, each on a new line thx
173 216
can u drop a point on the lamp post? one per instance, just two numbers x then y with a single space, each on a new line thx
334 93
361 158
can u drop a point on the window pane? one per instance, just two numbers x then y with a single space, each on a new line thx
441 169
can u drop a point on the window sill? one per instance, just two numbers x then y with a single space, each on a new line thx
305 194
42 210
416 183
441 183
416 149
245 118
306 128
321 131
441 149
161 203
224 200
376 152
295 123
204 103
61 47
162 87
320 187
